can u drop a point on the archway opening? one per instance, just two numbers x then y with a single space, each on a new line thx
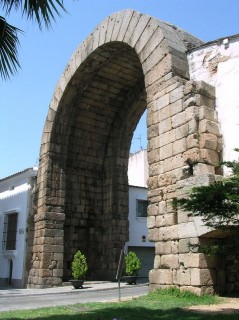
99 113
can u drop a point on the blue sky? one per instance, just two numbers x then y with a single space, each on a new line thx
43 55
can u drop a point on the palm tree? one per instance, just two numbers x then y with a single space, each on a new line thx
41 11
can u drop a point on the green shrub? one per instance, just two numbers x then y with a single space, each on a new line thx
79 265
132 263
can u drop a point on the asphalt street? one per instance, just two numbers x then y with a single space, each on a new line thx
32 299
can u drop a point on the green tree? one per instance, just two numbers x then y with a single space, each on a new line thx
41 11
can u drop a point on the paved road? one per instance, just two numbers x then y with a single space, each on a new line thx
30 300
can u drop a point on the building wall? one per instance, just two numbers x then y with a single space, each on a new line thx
15 196
138 231
217 63
138 169
137 225
138 176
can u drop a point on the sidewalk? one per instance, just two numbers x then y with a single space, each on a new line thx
89 285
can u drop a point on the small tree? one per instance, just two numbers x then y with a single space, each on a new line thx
79 266
132 263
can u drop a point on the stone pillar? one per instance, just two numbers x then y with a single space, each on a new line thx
188 154
46 247
47 264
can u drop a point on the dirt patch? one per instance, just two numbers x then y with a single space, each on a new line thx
228 305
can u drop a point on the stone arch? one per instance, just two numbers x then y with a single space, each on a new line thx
129 63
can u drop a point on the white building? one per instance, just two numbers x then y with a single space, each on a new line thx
217 63
138 203
15 204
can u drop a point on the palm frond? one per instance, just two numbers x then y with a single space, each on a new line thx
8 49
9 5
43 11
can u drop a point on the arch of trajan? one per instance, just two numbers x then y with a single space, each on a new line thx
130 63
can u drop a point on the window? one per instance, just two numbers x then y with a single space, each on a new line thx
10 232
141 208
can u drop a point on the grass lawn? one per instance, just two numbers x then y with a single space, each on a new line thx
161 305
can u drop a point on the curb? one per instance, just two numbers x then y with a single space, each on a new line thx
23 293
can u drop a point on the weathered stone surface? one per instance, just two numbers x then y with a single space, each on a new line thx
162 102
166 247
165 125
166 138
176 107
157 262
207 113
187 230
184 277
210 157
201 168
164 113
197 290
153 156
153 235
174 162
179 146
203 277
193 141
161 276
167 219
184 246
151 222
176 94
166 233
197 260
192 155
169 261
208 126
181 132
153 182
162 207
139 35
153 210
199 87
160 70
179 119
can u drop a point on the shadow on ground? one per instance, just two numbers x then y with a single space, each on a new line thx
119 312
